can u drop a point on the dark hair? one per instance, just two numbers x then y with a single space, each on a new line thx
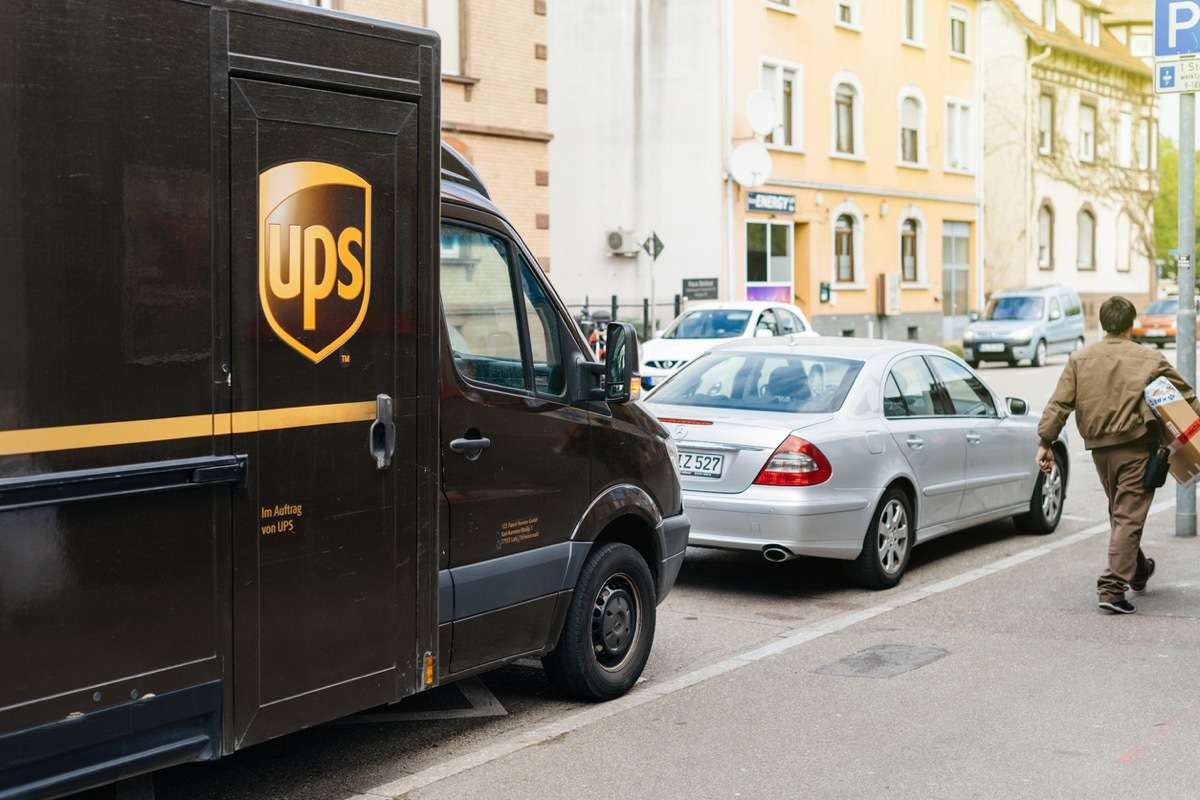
1116 314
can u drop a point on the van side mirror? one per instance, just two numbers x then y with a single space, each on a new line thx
1055 314
1016 406
973 316
620 360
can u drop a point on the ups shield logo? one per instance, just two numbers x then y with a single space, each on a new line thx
314 254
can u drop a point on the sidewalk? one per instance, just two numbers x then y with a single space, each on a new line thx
1005 681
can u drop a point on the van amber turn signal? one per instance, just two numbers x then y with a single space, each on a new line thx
796 462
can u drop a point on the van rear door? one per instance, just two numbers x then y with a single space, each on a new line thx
323 205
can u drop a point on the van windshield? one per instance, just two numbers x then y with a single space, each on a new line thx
1016 308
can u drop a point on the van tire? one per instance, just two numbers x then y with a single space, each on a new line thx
1039 354
609 628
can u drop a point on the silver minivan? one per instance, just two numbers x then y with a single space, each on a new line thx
1027 323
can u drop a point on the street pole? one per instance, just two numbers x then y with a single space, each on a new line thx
1185 321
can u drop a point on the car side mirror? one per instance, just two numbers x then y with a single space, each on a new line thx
764 333
1016 406
973 316
620 360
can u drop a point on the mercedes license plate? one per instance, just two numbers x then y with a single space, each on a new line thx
706 466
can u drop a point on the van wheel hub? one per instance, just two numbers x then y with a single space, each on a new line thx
614 621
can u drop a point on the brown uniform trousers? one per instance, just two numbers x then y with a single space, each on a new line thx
1121 468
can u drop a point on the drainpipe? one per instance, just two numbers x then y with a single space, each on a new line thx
730 186
1029 123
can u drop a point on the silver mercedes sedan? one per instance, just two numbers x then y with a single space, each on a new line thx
850 449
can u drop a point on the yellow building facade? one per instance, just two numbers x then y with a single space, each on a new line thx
871 215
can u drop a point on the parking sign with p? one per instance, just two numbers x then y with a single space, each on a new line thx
1176 28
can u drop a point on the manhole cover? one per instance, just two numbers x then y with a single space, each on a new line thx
883 661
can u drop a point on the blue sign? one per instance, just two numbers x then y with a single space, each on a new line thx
1166 77
1176 28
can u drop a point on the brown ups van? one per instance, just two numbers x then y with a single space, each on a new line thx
264 462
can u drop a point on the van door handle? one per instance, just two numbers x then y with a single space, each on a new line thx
383 432
471 448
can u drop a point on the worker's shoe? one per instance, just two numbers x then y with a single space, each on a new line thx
1140 588
1117 606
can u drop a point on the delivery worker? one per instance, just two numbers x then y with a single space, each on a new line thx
1103 385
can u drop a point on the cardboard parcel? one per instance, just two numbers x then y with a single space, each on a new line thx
1182 428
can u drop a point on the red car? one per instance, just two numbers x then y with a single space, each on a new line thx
1156 325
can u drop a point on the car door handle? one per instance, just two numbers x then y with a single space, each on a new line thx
973 438
471 448
915 442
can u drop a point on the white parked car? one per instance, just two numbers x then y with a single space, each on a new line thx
706 324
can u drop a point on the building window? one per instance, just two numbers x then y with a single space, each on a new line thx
958 136
1091 26
843 234
1049 14
1124 241
956 267
958 30
847 12
784 3
1087 132
769 259
444 17
913 21
844 119
1046 124
908 251
1153 145
1086 223
1046 236
1125 140
912 130
783 82
1143 144
1141 45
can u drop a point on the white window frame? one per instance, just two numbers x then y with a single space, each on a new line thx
850 209
853 11
1087 136
913 93
790 238
1124 247
959 151
1125 140
1141 44
1045 244
796 71
917 9
1082 246
856 118
782 5
1143 143
1046 124
1090 26
960 14
445 17
1050 15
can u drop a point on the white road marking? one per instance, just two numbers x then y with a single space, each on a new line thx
649 692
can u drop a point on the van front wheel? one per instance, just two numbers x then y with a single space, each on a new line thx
609 628
1039 355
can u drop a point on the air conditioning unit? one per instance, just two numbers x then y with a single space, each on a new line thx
623 243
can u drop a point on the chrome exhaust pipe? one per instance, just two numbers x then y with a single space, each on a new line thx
776 553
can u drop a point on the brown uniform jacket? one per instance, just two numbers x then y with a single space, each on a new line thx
1103 385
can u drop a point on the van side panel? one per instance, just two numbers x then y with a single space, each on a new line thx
158 435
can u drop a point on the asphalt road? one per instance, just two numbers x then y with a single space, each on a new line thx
988 672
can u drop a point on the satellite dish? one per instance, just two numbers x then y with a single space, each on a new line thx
760 111
750 164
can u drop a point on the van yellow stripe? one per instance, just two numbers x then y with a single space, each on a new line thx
139 431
